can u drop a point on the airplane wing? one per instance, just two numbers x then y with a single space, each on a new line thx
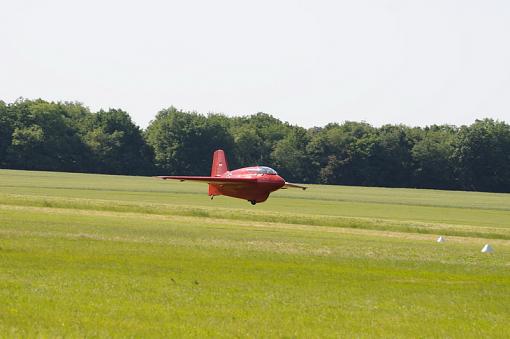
289 185
211 180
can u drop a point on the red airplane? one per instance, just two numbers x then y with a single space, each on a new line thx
250 183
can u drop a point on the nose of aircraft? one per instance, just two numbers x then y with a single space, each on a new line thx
280 181
271 182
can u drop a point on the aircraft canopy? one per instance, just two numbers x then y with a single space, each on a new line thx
262 170
266 170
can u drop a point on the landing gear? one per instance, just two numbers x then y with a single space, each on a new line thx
253 202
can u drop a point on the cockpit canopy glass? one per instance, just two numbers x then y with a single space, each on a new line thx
266 170
261 170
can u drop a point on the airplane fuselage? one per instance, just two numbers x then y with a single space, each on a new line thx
249 183
267 181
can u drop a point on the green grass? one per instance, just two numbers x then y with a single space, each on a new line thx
114 256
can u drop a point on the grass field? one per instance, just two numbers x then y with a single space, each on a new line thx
114 256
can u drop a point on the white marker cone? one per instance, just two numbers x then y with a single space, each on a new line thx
487 249
440 239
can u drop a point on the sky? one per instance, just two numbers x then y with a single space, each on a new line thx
305 62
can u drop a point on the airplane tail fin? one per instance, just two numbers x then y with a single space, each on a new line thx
219 164
219 167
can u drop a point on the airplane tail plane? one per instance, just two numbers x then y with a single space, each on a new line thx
219 167
219 164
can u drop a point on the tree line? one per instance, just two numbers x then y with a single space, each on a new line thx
67 136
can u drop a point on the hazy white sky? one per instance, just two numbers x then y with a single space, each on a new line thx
306 62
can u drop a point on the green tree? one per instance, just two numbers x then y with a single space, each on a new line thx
341 152
482 153
248 146
43 138
390 160
256 137
116 143
6 130
433 158
290 158
183 142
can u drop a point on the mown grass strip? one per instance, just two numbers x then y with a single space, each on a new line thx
260 216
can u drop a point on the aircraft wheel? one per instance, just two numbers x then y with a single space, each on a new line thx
253 202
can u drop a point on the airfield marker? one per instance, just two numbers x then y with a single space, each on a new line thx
487 249
440 239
